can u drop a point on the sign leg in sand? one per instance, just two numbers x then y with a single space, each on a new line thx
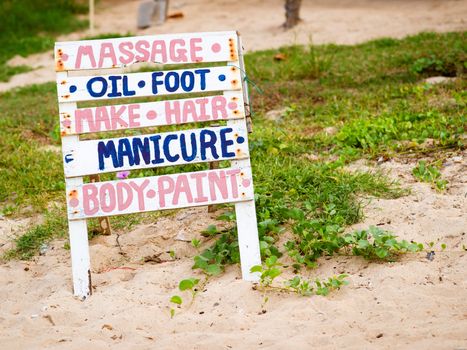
217 93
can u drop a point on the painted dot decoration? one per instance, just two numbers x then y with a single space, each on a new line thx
246 182
73 88
141 84
232 105
222 77
151 194
66 123
74 202
151 115
216 47
240 139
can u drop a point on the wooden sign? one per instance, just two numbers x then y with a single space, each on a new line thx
217 93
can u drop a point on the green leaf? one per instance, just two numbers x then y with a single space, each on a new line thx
381 252
213 269
363 244
256 268
274 272
176 300
188 284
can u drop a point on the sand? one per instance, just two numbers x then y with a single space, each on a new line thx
414 303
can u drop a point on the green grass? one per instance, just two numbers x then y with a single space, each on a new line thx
371 94
30 26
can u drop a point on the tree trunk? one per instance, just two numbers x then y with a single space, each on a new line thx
292 10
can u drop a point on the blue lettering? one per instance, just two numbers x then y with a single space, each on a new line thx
90 88
106 151
204 143
202 73
126 91
226 143
114 92
124 150
157 151
191 81
166 148
176 81
141 148
185 156
156 82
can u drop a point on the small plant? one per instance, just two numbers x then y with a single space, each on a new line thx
188 284
377 244
319 287
429 173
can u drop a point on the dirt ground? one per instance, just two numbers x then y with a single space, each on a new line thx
411 304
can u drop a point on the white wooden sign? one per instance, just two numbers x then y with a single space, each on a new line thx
227 101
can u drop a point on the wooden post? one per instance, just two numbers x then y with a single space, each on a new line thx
91 17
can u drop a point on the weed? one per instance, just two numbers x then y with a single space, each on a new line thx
318 287
430 173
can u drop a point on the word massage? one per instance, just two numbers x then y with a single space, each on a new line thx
126 52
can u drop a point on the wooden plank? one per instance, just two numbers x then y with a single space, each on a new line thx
150 114
163 49
159 192
158 83
157 150
245 212
78 230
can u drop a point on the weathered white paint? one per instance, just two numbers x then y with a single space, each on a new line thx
149 114
231 185
227 185
84 157
164 49
78 231
247 226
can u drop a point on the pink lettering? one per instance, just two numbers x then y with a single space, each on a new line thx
177 55
189 108
218 107
107 198
90 202
158 48
164 190
218 180
172 112
80 116
101 116
133 115
194 48
202 102
107 51
139 190
233 181
116 117
182 186
200 197
142 47
124 195
127 55
82 51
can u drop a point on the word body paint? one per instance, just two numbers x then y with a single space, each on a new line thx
160 192
181 81
158 150
139 115
163 49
